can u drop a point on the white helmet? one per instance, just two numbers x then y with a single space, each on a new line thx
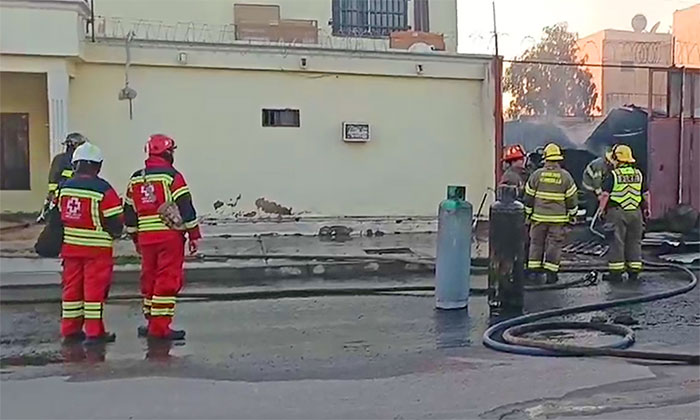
88 152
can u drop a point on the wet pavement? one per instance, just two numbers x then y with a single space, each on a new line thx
383 355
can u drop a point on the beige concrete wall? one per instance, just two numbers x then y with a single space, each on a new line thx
443 16
686 31
617 86
426 133
34 31
26 93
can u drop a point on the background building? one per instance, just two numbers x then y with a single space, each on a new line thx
686 34
260 116
627 86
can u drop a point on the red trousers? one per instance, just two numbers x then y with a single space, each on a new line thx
162 277
86 282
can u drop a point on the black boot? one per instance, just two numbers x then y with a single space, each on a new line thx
107 337
172 335
613 277
552 277
74 338
142 331
633 276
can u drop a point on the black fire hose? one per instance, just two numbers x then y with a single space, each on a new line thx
512 330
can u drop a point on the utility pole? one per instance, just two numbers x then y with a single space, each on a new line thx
497 70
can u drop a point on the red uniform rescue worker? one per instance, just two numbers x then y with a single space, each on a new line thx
550 203
515 174
625 203
159 212
91 212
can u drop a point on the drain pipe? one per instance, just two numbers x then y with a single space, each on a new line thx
680 137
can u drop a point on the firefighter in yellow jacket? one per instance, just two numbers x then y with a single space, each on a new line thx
550 204
625 203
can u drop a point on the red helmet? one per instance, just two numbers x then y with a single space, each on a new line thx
514 152
158 144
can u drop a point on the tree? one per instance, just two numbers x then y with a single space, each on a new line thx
546 89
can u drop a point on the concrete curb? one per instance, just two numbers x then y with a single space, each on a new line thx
53 295
232 276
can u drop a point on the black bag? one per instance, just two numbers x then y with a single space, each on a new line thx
50 240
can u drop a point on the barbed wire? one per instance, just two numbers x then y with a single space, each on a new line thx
227 34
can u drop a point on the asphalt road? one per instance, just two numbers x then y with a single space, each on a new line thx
376 356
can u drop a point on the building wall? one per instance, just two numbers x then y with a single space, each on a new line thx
443 16
426 133
34 31
620 86
686 31
26 93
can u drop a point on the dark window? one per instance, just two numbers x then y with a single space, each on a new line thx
369 18
14 151
421 10
280 118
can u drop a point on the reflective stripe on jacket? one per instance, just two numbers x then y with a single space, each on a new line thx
594 174
550 195
627 188
148 190
91 212
60 171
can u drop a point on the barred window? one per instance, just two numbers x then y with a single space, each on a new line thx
369 18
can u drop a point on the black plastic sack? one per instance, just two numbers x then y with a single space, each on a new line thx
50 240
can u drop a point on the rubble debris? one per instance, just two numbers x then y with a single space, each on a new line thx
625 319
271 207
592 247
599 319
335 232
218 204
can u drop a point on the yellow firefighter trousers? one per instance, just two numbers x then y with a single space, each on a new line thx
546 241
626 242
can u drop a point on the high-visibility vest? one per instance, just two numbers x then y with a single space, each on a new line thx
627 188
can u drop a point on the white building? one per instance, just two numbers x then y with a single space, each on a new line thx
255 101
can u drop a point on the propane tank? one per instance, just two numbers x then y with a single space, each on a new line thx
507 233
453 262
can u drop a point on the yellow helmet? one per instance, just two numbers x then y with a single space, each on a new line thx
623 154
552 152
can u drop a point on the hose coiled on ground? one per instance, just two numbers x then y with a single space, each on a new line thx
512 329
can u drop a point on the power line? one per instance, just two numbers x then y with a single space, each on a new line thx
575 64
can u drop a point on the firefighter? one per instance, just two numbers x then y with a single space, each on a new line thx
593 175
159 213
91 212
515 174
625 203
61 169
550 204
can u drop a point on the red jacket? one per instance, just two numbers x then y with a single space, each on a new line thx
162 183
91 212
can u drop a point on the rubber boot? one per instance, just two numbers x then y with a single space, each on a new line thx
74 338
107 337
633 276
552 277
533 277
171 335
613 277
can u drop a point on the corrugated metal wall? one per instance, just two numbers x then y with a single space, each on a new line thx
665 162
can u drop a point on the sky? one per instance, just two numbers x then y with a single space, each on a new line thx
520 22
